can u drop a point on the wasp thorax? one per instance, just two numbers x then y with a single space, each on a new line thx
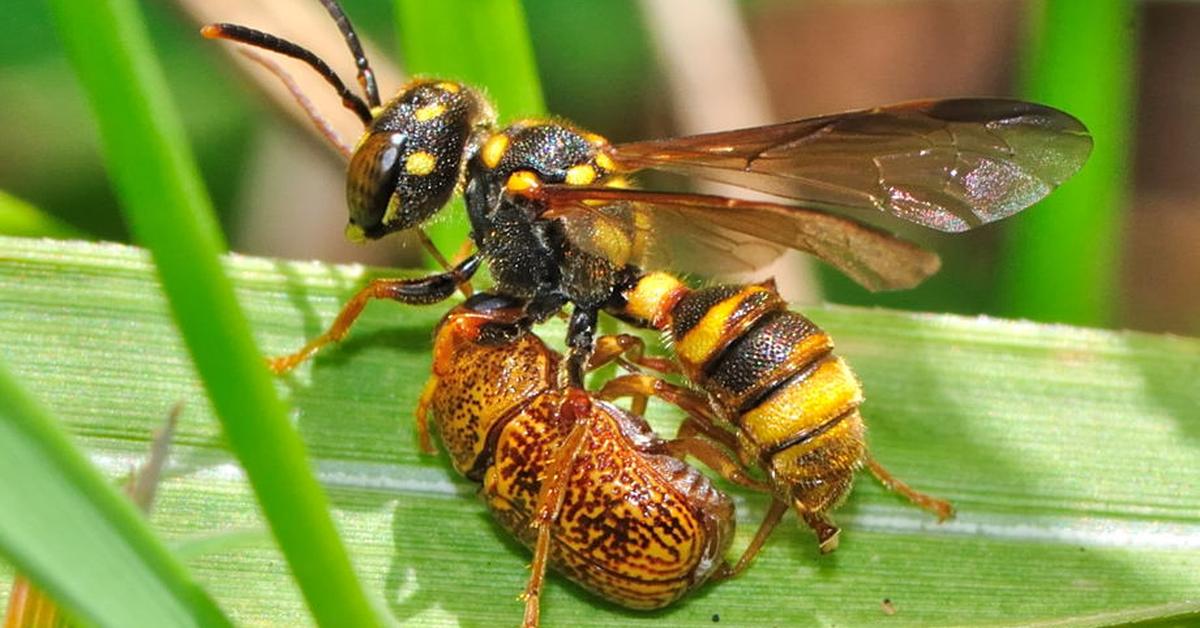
409 161
557 153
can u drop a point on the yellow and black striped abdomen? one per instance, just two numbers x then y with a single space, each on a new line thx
773 374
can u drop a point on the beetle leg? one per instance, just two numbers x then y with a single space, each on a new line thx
772 518
547 509
419 291
940 507
423 415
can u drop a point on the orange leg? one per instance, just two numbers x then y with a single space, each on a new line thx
717 460
693 426
546 511
637 384
627 350
419 291
423 415
774 515
939 507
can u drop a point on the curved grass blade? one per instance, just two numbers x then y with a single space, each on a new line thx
1062 258
166 206
83 543
1071 455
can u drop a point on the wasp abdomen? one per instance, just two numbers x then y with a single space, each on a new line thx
774 377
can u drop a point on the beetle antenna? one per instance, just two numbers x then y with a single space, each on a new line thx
366 76
266 41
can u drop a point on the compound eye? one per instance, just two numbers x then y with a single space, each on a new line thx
371 184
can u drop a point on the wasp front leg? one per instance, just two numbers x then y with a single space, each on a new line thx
420 291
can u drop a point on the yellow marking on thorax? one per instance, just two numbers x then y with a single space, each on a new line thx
429 112
605 162
582 174
612 242
522 181
419 163
453 88
493 150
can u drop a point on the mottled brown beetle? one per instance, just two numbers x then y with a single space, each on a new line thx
584 483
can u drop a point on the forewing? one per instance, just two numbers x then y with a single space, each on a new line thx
711 235
950 165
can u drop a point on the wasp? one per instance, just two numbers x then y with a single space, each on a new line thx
587 485
552 214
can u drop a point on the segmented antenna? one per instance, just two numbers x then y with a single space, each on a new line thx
366 76
266 41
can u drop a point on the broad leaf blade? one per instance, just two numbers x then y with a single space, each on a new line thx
1073 456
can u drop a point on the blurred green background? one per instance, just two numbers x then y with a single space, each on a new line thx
1119 246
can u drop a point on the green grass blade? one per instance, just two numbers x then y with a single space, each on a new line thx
1063 257
1071 454
484 43
77 537
18 218
166 206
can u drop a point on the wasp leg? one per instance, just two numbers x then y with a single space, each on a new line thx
464 286
637 384
712 456
692 426
939 507
626 349
420 291
827 532
581 337
772 519
546 511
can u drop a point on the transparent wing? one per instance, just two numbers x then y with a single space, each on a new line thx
950 165
712 234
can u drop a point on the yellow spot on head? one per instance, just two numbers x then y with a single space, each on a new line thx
583 174
453 88
522 181
429 112
494 149
419 163
605 162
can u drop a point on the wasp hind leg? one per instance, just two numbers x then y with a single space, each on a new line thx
941 508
